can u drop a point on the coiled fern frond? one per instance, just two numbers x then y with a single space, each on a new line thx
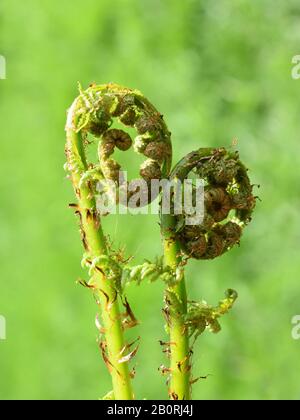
92 114
228 202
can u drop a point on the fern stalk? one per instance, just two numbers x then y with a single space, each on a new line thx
179 386
96 244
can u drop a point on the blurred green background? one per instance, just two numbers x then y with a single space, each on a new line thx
217 70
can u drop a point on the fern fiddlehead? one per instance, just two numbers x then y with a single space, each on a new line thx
228 205
93 113
228 202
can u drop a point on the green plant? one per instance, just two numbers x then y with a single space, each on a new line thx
228 204
92 113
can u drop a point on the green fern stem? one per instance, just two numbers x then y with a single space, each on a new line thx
94 241
180 369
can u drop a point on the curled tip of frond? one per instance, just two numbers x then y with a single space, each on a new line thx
228 202
95 111
202 316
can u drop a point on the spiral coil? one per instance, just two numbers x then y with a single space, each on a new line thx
228 202
95 111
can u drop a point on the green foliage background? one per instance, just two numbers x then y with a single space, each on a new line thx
217 70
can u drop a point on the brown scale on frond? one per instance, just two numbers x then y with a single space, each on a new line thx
164 370
85 284
173 396
103 348
81 229
128 318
